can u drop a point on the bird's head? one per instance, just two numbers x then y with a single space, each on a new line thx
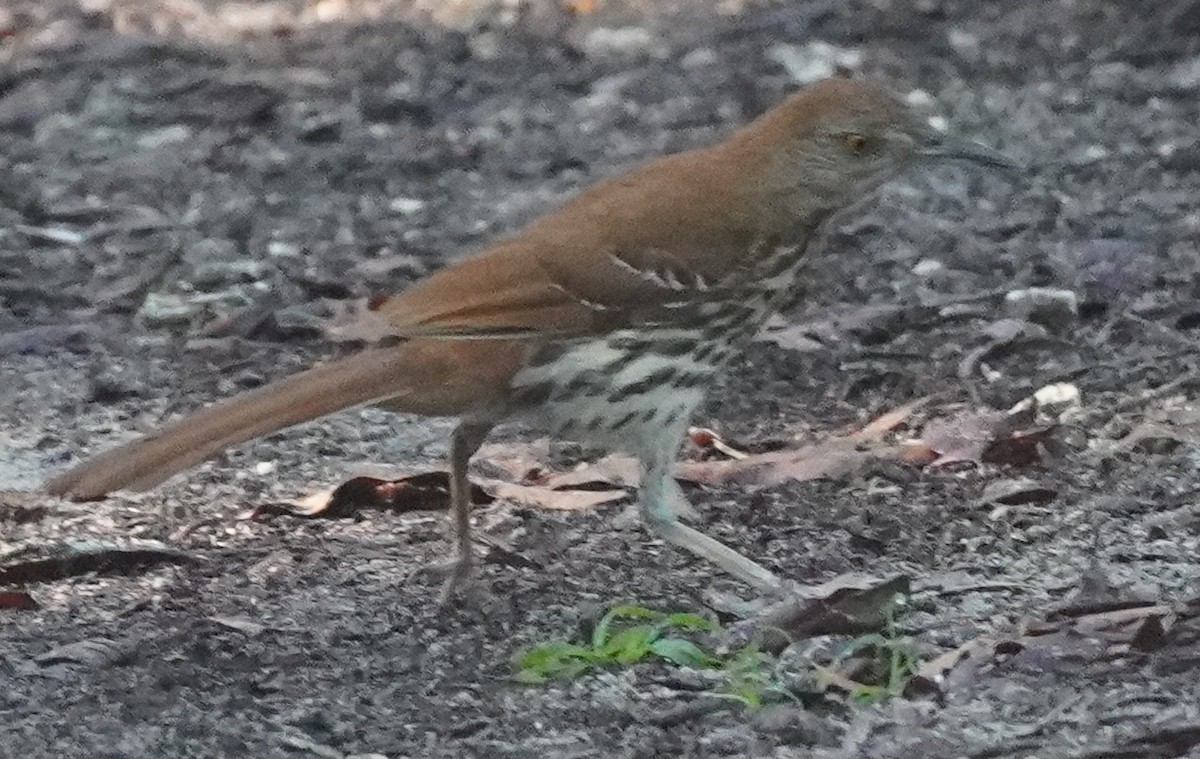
829 144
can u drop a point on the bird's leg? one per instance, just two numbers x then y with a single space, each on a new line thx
675 500
465 441
678 501
657 500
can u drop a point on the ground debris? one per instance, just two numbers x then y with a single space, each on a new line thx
56 561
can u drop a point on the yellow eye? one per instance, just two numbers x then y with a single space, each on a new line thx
855 143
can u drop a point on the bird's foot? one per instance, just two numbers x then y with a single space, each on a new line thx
675 500
457 581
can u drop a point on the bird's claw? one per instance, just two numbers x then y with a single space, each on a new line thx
457 574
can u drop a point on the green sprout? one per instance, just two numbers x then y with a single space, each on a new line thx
624 636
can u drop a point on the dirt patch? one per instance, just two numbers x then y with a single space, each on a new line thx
188 187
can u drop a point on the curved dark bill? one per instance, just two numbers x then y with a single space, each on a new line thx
954 149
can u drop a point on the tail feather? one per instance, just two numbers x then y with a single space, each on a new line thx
364 378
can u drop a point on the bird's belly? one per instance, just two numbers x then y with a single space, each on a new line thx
631 391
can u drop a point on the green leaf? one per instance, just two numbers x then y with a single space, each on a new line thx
546 653
556 659
685 620
624 611
869 694
682 652
530 677
750 694
629 645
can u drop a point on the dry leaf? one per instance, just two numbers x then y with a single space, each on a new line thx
830 458
847 605
552 498
606 480
976 437
612 471
833 458
18 600
519 462
1017 492
55 561
706 439
1076 641
427 491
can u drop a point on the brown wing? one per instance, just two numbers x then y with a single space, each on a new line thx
643 248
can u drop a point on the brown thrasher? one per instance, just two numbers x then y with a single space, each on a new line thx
604 321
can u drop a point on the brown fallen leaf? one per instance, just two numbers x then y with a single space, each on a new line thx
948 440
18 600
606 480
607 473
523 463
1019 491
830 458
56 561
518 462
430 491
565 499
974 650
976 437
706 439
877 428
848 605
1076 641
427 491
1119 621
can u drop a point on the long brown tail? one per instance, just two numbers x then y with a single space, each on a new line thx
363 378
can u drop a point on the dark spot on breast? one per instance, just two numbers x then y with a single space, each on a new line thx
632 353
586 380
673 348
625 420
661 377
706 351
688 380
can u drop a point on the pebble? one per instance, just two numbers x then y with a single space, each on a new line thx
175 134
166 310
1043 305
405 206
816 60
627 42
